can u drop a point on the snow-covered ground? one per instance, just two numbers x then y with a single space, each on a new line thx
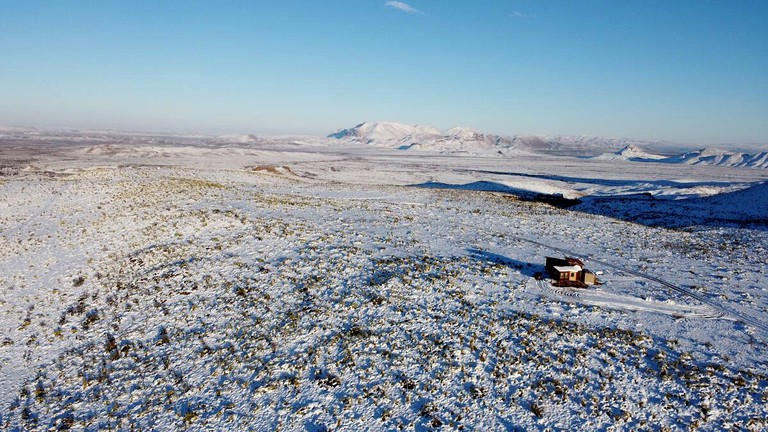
303 286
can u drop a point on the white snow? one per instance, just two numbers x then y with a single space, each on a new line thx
159 282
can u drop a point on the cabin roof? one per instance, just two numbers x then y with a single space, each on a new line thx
563 269
574 261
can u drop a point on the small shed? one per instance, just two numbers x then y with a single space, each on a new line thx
588 277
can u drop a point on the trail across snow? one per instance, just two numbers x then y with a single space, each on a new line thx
598 297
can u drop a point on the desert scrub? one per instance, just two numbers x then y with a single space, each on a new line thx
282 309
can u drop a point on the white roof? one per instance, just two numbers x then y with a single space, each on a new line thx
568 268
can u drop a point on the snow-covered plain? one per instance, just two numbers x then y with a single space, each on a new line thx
297 284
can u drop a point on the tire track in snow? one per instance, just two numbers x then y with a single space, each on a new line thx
738 316
545 286
10 232
598 297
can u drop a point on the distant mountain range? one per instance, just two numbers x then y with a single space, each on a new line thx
427 138
463 140
453 141
713 156
468 140
706 156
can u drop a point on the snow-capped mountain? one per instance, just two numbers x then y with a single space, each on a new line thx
469 135
386 133
632 153
464 140
715 156
706 156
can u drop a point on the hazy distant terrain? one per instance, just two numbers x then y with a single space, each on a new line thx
379 278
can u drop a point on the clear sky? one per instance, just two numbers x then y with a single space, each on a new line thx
688 71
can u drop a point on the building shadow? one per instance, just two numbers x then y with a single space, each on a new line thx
526 268
608 182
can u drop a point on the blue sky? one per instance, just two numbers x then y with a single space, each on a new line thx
688 71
